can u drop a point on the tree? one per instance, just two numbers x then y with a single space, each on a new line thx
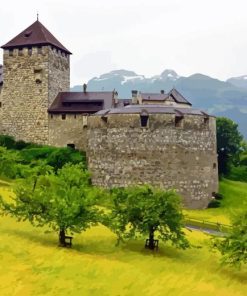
229 141
63 201
233 247
146 210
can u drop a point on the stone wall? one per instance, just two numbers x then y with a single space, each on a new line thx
70 130
1 110
32 79
121 153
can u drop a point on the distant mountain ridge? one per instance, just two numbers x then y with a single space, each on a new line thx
223 98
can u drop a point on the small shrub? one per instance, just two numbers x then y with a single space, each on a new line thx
214 203
7 141
58 158
218 196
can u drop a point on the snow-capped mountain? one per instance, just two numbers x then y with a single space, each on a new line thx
226 98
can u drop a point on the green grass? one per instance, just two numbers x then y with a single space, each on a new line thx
235 200
33 264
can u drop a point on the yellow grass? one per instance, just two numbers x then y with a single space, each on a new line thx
33 264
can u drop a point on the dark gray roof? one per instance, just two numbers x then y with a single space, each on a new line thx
81 102
36 34
151 109
174 94
153 96
1 74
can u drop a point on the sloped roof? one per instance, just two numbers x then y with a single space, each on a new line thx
152 109
178 98
176 95
36 34
154 96
81 102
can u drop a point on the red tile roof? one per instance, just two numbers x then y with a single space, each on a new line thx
36 34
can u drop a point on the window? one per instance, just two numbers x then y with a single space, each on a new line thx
178 121
206 120
51 116
214 165
75 116
104 118
144 120
63 116
20 52
11 52
0 104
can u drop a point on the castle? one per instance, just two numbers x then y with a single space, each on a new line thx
151 138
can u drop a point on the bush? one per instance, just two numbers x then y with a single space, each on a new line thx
217 195
214 203
30 154
238 173
243 161
58 158
7 141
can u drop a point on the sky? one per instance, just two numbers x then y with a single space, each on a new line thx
145 36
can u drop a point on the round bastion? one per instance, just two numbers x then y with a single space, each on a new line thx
165 146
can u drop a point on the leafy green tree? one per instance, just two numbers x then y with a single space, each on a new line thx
63 201
233 247
9 162
146 210
229 142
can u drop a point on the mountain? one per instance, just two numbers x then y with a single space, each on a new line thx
240 81
221 98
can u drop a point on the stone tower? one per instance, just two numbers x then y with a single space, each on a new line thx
36 67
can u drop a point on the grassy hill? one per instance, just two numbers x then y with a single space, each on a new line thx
33 264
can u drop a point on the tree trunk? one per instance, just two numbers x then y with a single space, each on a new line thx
62 238
151 238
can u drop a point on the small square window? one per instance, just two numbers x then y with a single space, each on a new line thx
63 116
11 52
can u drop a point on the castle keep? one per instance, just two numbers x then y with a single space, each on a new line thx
157 139
36 67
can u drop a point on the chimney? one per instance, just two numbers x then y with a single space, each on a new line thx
162 92
84 88
134 96
114 98
134 93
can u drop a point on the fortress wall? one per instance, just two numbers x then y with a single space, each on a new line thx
59 73
71 130
28 84
121 153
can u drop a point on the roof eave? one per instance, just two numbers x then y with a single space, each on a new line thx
6 46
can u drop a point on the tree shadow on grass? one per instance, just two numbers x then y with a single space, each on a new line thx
101 246
35 237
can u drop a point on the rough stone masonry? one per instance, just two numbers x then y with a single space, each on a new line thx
182 156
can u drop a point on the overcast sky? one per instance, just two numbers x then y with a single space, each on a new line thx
146 36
